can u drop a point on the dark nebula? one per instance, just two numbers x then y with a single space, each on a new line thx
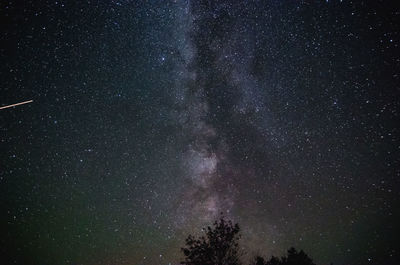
150 118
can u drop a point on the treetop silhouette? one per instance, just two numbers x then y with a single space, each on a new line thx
219 246
293 258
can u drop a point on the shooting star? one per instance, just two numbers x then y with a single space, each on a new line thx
16 104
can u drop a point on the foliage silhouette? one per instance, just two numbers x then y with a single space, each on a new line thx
258 261
298 258
274 261
219 246
293 258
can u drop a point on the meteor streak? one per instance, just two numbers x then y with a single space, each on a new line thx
16 104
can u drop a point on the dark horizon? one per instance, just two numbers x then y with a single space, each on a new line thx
150 118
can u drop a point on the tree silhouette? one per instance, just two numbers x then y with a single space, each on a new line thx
293 258
219 246
258 261
298 258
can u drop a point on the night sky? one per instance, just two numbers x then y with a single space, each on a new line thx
151 118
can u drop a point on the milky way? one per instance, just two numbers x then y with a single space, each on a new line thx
150 120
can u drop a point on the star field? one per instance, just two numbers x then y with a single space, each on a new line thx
150 119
